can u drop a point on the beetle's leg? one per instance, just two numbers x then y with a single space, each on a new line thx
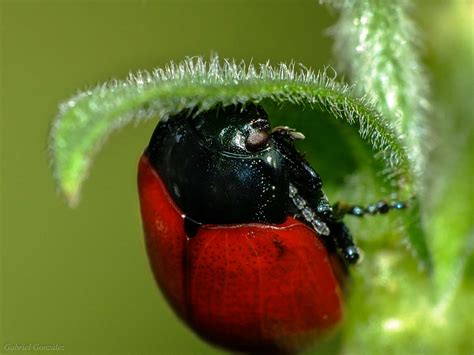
307 213
308 197
302 176
331 227
381 207
345 242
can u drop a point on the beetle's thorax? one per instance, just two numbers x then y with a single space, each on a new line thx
222 166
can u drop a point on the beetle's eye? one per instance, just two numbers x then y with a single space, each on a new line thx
256 140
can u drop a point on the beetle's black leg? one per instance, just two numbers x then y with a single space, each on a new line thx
307 213
302 176
344 242
331 227
309 200
381 207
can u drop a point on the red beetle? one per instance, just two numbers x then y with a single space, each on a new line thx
241 239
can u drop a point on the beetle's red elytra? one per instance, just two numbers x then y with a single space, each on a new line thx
246 287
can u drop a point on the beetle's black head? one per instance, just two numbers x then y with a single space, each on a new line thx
221 166
237 129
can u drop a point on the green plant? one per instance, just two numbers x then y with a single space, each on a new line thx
418 263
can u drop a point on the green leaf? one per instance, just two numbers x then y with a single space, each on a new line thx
377 45
86 120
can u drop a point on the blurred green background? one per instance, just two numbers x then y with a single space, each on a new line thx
79 277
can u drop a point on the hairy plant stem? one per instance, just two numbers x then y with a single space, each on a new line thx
376 44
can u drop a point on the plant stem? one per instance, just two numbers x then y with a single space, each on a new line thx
376 44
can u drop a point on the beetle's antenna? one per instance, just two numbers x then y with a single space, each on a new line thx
381 207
